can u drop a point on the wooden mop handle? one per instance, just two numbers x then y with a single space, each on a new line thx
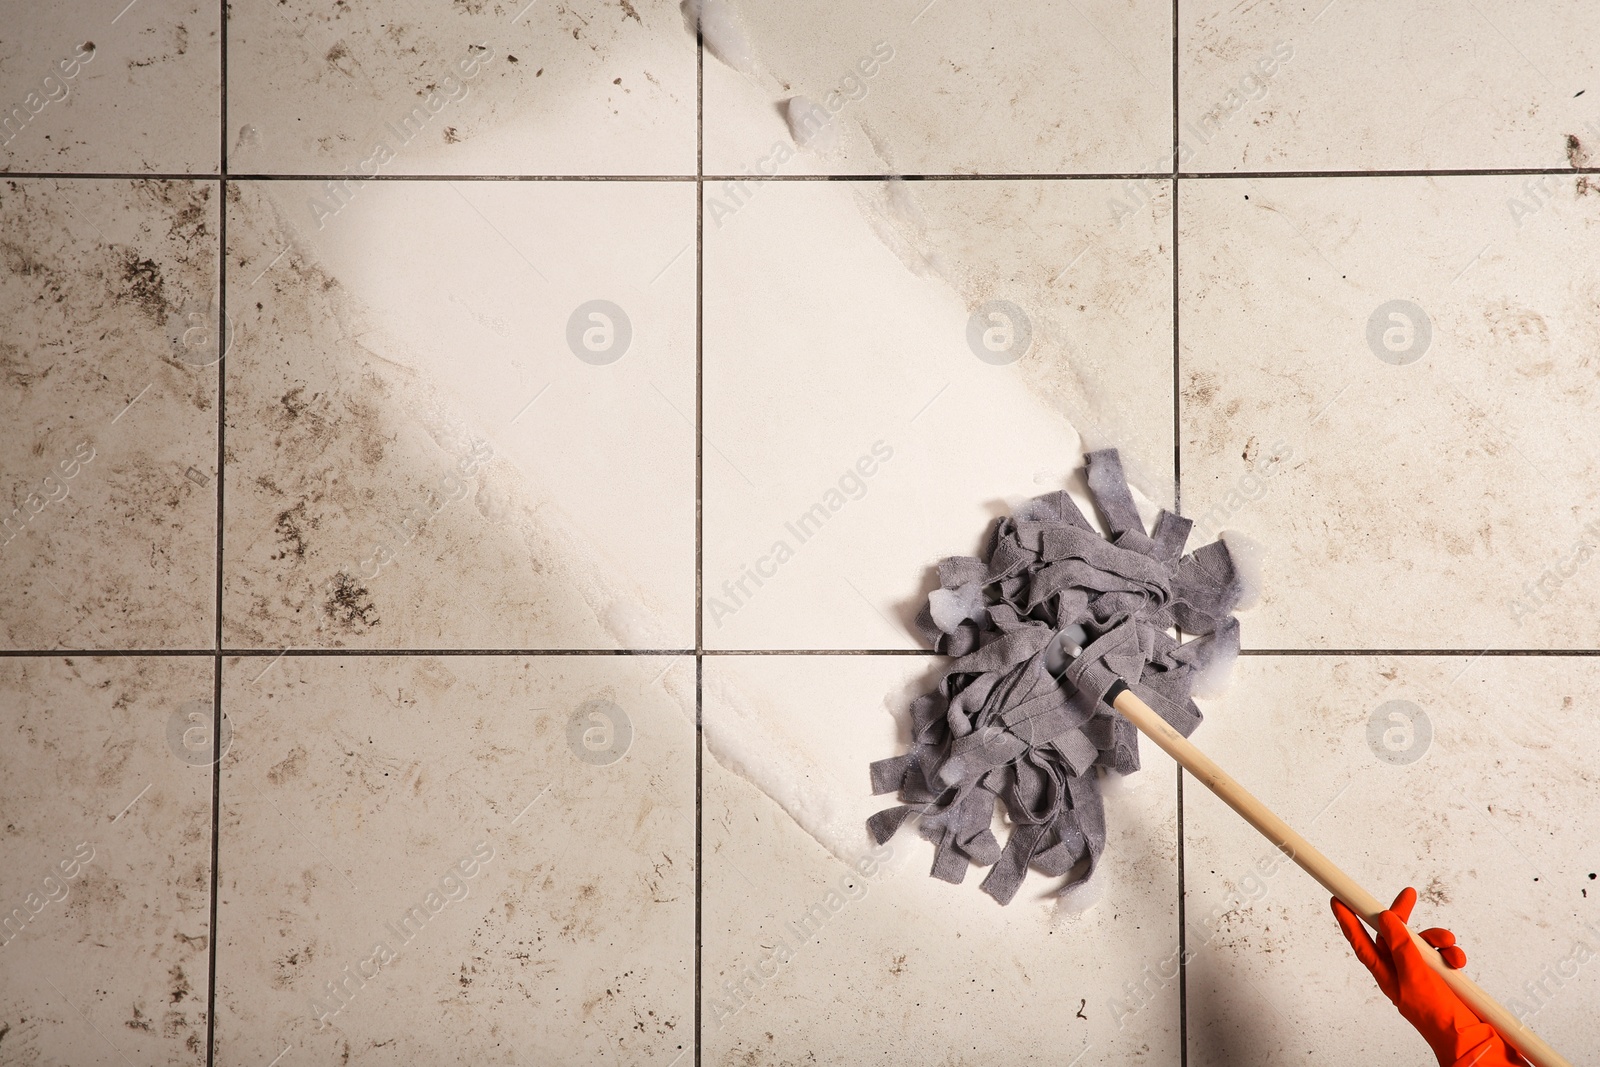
1324 871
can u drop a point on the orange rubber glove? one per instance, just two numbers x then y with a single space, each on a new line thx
1455 1033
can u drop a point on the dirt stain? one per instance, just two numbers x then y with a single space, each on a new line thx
290 527
143 286
350 605
291 766
1578 158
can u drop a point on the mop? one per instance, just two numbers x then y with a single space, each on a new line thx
1062 655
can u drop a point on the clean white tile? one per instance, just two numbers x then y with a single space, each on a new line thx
476 87
404 408
105 892
915 87
1486 810
355 788
1435 485
118 87
849 419
1340 85
906 969
108 290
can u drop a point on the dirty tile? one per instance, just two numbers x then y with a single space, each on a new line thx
936 88
109 294
1329 85
474 87
461 416
105 891
886 364
902 967
1468 778
504 846
1387 386
120 87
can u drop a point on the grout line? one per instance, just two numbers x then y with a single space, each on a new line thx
1177 135
216 838
400 177
296 651
821 651
700 179
1183 937
699 845
245 653
699 518
223 335
1441 652
118 176
1177 507
1177 364
1447 172
23 653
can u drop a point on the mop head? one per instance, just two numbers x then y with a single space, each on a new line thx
1003 725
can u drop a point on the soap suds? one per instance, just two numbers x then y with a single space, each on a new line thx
1008 241
723 33
926 236
1250 557
1113 784
1079 898
750 741
810 126
897 221
1055 253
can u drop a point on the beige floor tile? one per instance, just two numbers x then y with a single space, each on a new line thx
479 87
105 884
904 969
120 87
550 855
423 401
1340 85
935 88
108 292
1466 778
887 364
1387 385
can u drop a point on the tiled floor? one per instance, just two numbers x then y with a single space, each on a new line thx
449 615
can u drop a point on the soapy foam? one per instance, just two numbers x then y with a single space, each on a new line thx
750 742
1249 559
745 739
722 32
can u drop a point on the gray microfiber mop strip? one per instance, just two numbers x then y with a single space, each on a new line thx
1000 727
